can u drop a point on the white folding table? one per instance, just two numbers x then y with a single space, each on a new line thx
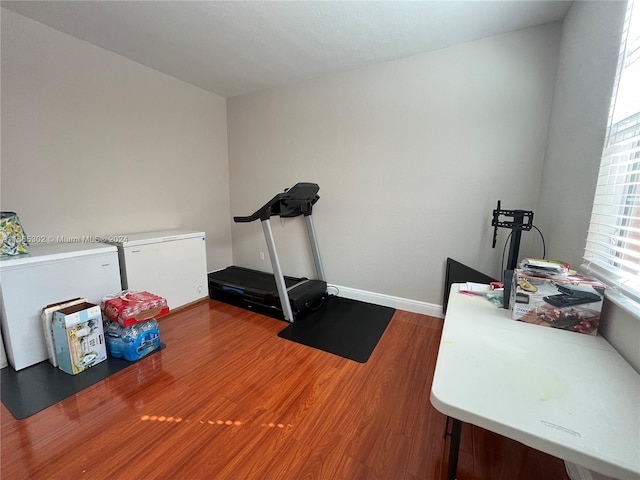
567 394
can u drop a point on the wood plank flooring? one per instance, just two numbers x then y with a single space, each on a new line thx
228 399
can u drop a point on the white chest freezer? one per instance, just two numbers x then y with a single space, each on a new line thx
50 273
169 263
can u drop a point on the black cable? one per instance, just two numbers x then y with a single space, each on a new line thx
544 246
504 251
324 298
316 307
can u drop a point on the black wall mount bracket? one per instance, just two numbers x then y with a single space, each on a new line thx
520 220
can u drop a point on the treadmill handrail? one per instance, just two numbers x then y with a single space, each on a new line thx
295 201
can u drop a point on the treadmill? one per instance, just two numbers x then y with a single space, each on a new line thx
290 295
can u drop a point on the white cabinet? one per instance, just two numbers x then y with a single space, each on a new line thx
169 263
50 273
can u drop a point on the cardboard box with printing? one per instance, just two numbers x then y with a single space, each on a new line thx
79 337
570 302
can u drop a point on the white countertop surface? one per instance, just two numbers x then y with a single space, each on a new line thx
567 394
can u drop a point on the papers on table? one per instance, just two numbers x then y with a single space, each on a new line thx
476 288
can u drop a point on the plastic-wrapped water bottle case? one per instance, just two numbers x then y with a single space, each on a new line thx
132 342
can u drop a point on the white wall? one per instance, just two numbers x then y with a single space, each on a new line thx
586 70
411 157
588 57
93 143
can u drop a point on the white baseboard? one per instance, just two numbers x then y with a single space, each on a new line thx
398 303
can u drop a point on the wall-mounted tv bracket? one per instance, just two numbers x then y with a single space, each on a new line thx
521 220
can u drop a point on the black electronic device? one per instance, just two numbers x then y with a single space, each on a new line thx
569 297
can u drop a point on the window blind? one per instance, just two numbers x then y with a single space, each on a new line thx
612 248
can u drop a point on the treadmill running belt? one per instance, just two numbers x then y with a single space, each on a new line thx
246 278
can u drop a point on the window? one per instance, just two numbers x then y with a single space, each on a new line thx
613 241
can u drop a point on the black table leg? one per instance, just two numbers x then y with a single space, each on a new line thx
454 447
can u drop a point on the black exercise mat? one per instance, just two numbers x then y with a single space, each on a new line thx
347 328
39 386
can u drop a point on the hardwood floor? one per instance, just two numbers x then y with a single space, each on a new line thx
228 399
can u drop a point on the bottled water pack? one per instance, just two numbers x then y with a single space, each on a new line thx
132 342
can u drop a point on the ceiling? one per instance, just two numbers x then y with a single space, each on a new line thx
236 47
